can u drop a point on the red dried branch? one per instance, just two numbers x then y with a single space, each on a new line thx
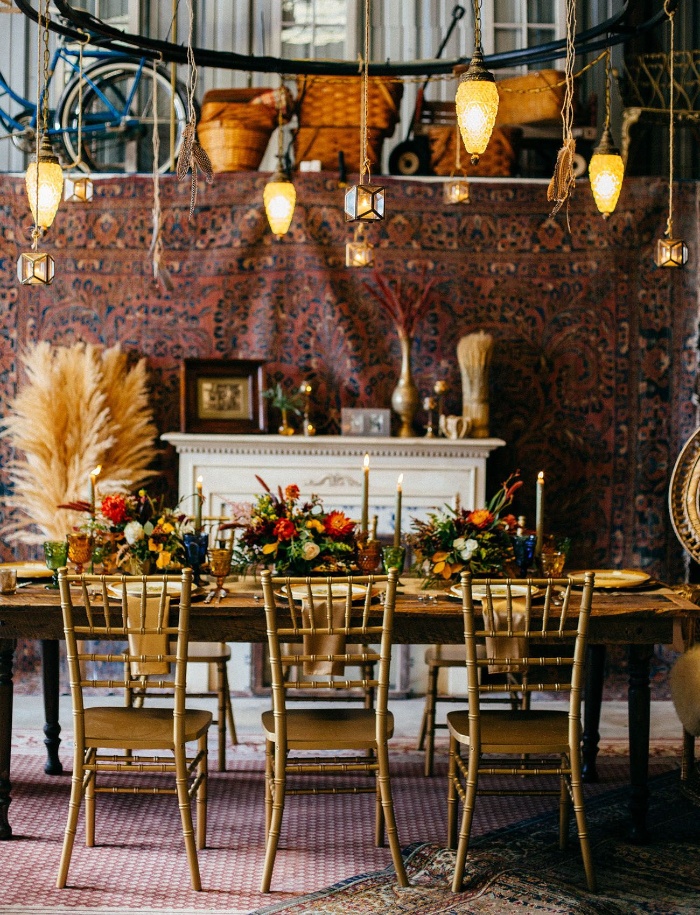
405 306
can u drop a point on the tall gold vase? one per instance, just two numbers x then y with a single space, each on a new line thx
405 399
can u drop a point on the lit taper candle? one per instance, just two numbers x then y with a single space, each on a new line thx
93 477
539 513
365 495
199 498
397 519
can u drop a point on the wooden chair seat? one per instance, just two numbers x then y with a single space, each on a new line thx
208 652
328 728
534 731
140 728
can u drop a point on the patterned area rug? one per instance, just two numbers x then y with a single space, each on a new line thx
139 865
520 870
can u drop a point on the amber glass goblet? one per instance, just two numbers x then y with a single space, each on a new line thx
79 550
220 566
55 556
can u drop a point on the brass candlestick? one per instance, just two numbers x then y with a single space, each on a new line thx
305 390
429 404
440 389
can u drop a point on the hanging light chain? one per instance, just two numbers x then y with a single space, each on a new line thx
669 9
477 25
364 161
608 80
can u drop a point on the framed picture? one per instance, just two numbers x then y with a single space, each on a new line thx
365 422
222 396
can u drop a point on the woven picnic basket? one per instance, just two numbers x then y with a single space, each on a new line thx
534 98
325 101
324 144
497 161
235 127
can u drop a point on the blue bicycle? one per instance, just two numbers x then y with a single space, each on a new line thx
121 97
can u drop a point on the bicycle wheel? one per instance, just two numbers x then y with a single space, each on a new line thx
118 115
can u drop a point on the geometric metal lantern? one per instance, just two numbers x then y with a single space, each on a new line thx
671 252
456 190
364 203
78 189
359 254
35 268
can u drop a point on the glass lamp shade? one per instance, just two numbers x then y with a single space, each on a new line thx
279 198
456 190
364 203
477 106
606 171
48 174
358 254
35 268
671 252
78 189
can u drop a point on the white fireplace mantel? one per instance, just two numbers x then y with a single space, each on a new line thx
436 470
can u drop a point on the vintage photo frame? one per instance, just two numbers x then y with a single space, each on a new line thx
365 421
222 396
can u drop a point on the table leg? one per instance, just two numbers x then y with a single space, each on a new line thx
593 694
52 728
7 648
639 713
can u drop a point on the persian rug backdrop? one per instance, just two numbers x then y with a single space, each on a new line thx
139 863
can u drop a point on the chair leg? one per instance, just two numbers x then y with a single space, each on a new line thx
452 801
90 802
388 808
277 799
229 711
202 792
221 713
379 830
76 793
467 816
430 702
269 783
564 807
423 727
183 800
580 814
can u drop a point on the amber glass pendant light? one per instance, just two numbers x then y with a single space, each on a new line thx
670 251
606 168
477 98
364 202
280 196
44 176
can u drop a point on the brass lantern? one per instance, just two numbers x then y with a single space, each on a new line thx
35 268
671 252
79 189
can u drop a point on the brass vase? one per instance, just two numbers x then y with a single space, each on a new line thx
285 428
405 399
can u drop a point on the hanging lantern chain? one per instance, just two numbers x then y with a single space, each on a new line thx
608 80
36 231
477 25
364 161
669 8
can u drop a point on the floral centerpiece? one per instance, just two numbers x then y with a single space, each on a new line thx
456 540
293 536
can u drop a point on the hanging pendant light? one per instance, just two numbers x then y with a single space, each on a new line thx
359 252
364 202
279 196
606 168
477 98
78 186
44 183
456 188
44 176
670 251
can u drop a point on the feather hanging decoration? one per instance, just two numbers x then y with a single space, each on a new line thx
79 407
563 182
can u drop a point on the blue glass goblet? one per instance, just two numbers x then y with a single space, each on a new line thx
196 546
524 550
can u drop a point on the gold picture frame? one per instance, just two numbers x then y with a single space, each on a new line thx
222 396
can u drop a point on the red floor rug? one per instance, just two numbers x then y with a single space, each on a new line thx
139 864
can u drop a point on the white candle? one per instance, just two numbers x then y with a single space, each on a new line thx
539 513
198 507
397 519
365 495
93 476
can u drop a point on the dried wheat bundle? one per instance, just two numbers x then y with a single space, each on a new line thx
79 408
474 357
126 461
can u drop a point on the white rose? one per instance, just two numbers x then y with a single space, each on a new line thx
459 544
470 547
310 550
133 532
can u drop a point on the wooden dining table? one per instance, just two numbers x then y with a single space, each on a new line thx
638 619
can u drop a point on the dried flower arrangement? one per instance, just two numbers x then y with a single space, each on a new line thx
405 304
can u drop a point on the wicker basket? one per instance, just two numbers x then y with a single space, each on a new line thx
336 102
324 144
235 127
518 104
498 160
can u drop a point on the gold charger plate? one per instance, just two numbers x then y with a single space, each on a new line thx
300 592
498 592
613 579
153 589
28 569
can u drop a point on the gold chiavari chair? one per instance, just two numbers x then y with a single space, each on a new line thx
101 608
546 644
327 616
